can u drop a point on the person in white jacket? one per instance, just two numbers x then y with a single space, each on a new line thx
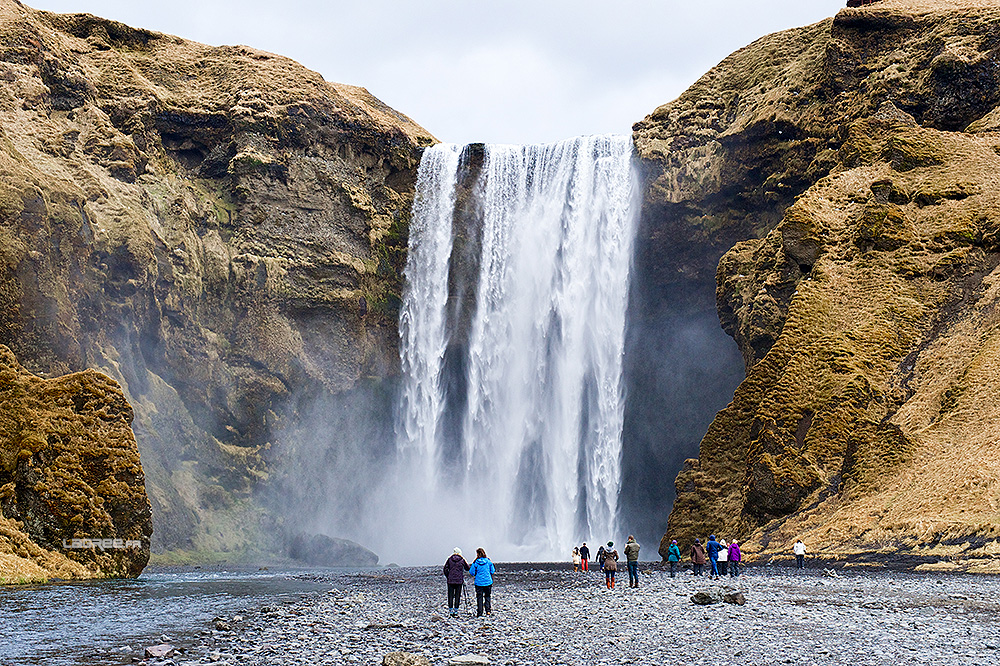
723 557
800 554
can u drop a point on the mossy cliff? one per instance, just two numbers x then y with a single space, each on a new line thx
859 162
217 228
69 470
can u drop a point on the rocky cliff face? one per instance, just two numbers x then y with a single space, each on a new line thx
69 477
856 161
217 228
850 162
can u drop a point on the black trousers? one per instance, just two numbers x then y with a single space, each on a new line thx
483 599
454 595
673 568
800 561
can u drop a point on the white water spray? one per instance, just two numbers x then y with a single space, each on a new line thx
532 465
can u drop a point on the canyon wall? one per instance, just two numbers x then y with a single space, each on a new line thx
849 169
218 229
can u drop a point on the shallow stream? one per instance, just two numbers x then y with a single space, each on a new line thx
107 622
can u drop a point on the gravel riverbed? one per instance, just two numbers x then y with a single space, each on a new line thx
546 615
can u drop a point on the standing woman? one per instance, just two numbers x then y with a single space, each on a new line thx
698 557
673 556
734 559
454 570
610 565
482 571
723 557
576 559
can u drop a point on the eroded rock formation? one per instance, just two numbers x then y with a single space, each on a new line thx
217 228
69 476
857 160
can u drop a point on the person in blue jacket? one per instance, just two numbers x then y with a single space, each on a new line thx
673 556
712 548
482 571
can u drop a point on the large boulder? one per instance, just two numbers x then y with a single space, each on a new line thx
71 484
325 551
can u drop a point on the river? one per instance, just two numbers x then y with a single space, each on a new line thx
110 621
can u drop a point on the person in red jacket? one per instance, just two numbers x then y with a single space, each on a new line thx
454 571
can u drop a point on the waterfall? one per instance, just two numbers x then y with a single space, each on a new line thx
512 334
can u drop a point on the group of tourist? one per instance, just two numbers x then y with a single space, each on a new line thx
481 570
724 557
607 558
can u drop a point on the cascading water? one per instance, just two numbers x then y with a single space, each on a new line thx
512 337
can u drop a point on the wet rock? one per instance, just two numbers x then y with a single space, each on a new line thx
734 598
705 598
161 651
404 659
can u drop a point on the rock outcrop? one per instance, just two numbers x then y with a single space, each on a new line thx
324 551
72 499
217 228
857 161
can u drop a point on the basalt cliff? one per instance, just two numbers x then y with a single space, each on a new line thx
848 171
220 231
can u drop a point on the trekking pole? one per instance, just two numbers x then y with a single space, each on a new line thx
465 591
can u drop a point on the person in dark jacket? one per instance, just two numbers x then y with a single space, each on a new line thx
482 571
632 561
713 547
698 557
584 556
454 571
673 557
600 557
610 565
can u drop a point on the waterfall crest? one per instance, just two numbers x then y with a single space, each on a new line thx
512 335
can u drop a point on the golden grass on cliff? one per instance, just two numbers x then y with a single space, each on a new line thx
23 561
941 497
926 6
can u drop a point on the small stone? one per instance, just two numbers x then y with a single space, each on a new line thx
466 659
222 626
404 659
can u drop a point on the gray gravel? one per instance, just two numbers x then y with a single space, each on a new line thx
548 616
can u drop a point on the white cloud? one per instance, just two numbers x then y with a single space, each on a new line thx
509 71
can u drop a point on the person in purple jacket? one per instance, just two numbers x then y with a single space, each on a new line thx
734 559
454 570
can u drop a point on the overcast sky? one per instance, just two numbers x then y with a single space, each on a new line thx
503 71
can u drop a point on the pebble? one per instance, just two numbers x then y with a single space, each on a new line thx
542 616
